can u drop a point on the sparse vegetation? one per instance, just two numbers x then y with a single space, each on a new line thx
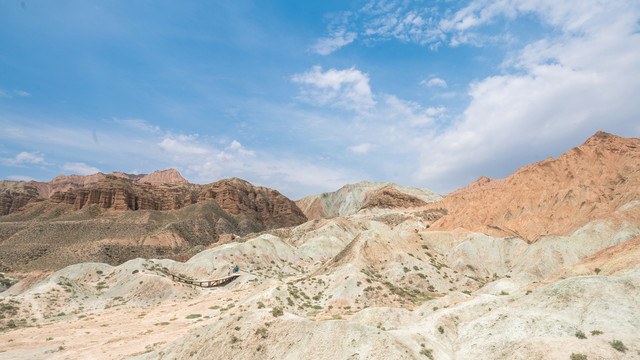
618 345
277 311
440 329
193 316
580 334
262 332
596 332
578 356
426 352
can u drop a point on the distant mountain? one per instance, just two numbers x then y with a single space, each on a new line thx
66 182
596 180
353 197
118 217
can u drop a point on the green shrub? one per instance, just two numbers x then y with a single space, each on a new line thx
427 352
618 345
277 311
193 316
580 335
578 356
262 332
596 332
441 329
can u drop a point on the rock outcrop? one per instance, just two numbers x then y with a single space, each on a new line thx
551 197
14 195
239 197
235 196
71 182
353 197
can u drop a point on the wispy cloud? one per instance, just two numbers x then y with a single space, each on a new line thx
80 168
336 40
361 148
24 158
20 178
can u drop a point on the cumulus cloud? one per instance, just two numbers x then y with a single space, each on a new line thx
348 89
434 82
237 147
24 158
561 90
182 145
80 168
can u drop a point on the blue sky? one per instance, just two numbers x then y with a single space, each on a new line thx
305 97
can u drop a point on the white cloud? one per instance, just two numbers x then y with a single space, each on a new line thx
139 124
434 82
24 158
562 90
338 39
21 93
237 147
348 89
363 148
80 168
182 145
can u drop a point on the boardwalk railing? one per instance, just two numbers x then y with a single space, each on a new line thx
205 283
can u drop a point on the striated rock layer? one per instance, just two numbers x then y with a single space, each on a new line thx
67 182
365 194
235 196
14 195
551 197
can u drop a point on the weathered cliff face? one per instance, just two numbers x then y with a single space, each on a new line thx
14 195
114 193
268 206
262 206
390 198
595 180
353 197
70 182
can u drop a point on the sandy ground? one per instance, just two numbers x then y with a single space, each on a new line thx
118 332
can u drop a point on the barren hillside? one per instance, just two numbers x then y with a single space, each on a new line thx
389 280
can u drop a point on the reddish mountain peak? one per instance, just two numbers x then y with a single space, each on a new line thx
553 196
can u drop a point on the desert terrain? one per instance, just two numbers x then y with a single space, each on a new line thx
543 264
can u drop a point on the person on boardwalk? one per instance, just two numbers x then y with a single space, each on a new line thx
236 270
229 272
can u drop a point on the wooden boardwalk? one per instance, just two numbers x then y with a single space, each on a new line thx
205 283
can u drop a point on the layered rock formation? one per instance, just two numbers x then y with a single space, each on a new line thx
14 195
234 196
67 182
353 197
551 197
